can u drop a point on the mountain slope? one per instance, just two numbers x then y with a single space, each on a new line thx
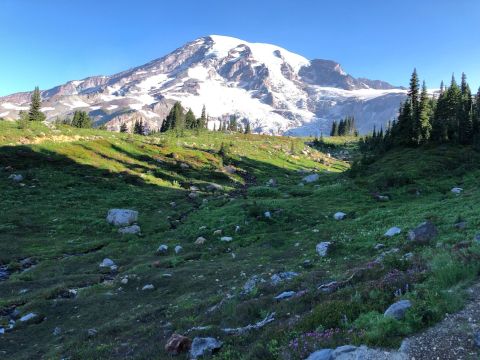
276 90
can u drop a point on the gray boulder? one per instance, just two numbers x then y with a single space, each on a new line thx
134 229
204 346
285 295
178 249
28 317
122 217
457 190
398 309
162 249
423 233
16 177
393 231
311 178
324 354
339 215
322 248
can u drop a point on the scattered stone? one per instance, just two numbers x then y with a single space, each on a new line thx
379 246
204 346
398 309
184 166
311 178
107 263
226 238
134 229
251 284
178 249
408 256
272 183
322 248
307 264
339 215
16 177
200 241
285 295
329 287
230 169
214 187
57 331
28 317
194 188
92 332
202 228
162 249
423 233
462 225
2 331
237 228
124 281
217 232
282 276
268 214
148 287
122 217
4 273
173 204
393 231
381 198
456 190
193 195
177 344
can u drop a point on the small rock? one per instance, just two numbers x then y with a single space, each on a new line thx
237 228
204 346
124 281
423 233
122 217
177 344
28 317
214 187
462 225
268 214
456 190
200 241
393 231
322 248
226 238
107 263
282 276
194 188
381 198
162 249
2 331
57 331
184 166
379 246
324 354
217 232
134 229
230 169
311 178
408 256
285 295
193 195
16 177
92 332
251 284
339 215
173 204
271 183
398 309
148 287
178 249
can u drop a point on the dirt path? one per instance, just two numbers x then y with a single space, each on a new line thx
453 338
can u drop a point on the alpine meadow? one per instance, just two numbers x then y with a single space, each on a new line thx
234 200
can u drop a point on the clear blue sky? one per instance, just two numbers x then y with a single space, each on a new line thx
47 42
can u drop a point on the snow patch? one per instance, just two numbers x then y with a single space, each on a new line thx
11 106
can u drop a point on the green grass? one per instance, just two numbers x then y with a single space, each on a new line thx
73 176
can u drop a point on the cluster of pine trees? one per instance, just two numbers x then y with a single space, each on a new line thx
232 124
345 127
81 120
177 119
451 117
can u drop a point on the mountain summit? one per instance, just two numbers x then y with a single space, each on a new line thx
276 90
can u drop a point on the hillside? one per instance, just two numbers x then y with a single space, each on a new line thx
276 90
260 262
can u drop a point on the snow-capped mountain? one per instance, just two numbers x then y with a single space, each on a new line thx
276 90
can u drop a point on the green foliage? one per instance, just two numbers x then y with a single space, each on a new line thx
35 113
81 120
378 330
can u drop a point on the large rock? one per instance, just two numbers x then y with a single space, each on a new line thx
398 309
204 346
311 178
423 233
178 344
322 248
324 354
122 217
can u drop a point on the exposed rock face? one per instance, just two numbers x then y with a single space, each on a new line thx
122 217
278 91
423 233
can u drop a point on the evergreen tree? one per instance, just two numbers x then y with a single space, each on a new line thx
81 120
35 113
465 116
334 130
139 127
190 120
123 128
233 126
175 119
424 125
247 128
476 114
202 123
341 128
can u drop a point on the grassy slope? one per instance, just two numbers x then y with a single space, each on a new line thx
72 177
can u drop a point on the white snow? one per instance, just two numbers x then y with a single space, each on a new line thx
112 107
93 108
4 114
47 108
11 106
75 102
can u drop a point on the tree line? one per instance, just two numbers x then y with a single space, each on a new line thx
452 116
345 127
